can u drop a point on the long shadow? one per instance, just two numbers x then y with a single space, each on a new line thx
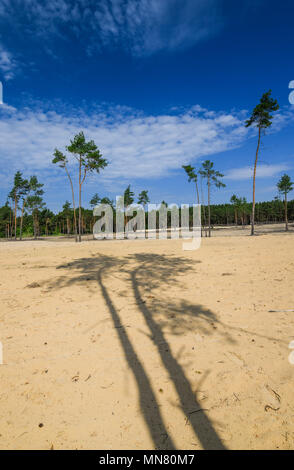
148 403
152 271
203 428
88 268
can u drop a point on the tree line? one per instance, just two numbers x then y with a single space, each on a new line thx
44 222
25 212
261 118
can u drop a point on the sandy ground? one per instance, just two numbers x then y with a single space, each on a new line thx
141 345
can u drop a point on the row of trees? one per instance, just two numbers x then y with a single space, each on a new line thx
129 198
89 160
242 209
44 222
25 211
213 178
26 194
261 118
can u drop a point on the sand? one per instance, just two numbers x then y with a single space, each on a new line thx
141 345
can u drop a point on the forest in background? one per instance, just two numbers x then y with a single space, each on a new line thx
25 213
62 223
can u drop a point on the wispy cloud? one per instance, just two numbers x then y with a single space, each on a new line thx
263 171
137 146
141 27
148 26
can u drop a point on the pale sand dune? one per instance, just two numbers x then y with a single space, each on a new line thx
124 342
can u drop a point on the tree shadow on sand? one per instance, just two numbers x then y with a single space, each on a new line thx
152 269
145 273
148 403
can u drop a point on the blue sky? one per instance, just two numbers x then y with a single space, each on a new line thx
156 84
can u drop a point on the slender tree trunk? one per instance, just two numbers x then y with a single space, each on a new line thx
286 213
15 216
197 192
204 210
10 221
21 221
254 177
73 203
80 199
198 202
35 226
208 201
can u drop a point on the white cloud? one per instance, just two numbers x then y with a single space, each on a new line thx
147 26
136 145
141 27
263 171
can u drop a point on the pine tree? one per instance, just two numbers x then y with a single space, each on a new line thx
212 176
285 186
262 119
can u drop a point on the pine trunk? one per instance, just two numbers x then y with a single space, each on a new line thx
73 203
80 200
254 177
286 213
208 201
21 223
15 215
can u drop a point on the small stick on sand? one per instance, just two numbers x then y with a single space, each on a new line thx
276 311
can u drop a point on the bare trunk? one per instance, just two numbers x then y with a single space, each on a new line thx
73 203
208 201
197 192
21 221
254 177
15 215
203 225
35 226
286 213
10 221
80 200
198 201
